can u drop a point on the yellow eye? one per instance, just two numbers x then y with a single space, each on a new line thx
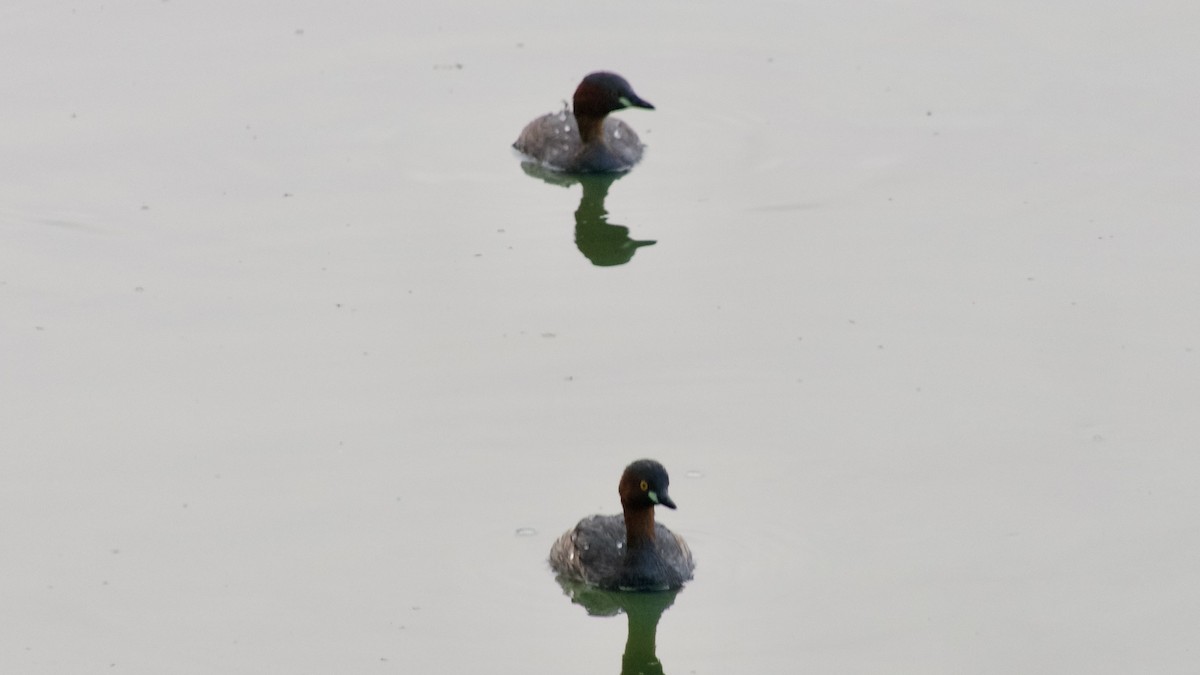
645 486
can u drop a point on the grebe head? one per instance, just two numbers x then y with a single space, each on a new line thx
644 485
602 92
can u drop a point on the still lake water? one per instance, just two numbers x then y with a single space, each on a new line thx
303 373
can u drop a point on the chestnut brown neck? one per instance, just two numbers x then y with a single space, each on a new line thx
639 527
590 127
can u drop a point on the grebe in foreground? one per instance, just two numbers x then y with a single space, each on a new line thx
586 140
629 552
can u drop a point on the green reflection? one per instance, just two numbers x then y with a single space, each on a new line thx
601 242
643 610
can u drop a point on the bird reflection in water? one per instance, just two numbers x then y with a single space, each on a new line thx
643 610
604 244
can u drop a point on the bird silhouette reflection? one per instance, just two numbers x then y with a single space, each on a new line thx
604 244
643 610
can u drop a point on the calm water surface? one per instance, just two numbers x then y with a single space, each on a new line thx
304 372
